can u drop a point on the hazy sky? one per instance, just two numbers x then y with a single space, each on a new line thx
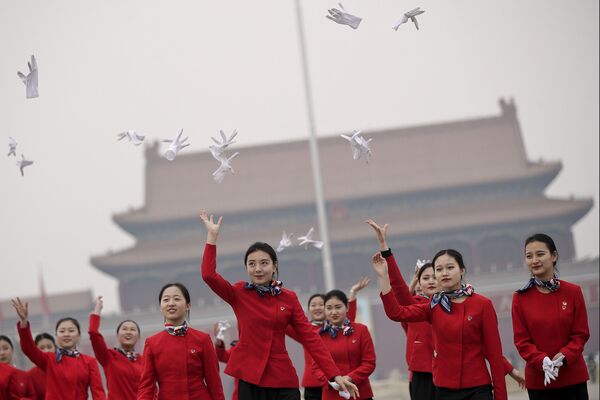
156 66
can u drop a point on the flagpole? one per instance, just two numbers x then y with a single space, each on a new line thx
328 273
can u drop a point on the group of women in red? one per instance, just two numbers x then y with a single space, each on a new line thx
452 337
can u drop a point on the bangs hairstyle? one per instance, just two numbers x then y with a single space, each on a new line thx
261 246
452 253
547 240
69 319
337 294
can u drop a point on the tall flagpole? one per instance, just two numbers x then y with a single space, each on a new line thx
314 157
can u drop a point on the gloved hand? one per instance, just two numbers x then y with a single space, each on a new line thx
343 18
344 393
550 371
31 80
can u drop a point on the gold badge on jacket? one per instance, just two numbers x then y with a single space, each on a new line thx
564 305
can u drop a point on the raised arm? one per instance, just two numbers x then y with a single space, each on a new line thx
28 346
213 279
362 283
98 343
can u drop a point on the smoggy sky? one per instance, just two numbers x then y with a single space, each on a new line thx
157 67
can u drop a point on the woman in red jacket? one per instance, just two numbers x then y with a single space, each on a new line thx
264 310
45 342
122 365
69 374
350 345
464 329
8 382
23 390
550 327
313 386
180 360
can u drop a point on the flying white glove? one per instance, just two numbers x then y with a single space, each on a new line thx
343 18
175 147
550 371
412 15
222 326
31 80
344 393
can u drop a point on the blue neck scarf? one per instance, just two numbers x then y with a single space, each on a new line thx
552 285
177 330
273 288
60 352
333 330
444 298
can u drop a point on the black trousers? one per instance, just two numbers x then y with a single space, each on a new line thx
571 392
474 393
421 386
248 391
313 393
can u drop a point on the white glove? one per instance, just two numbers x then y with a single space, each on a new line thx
343 18
344 393
550 371
412 14
31 80
222 327
175 147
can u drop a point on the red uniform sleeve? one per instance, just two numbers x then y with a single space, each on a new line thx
367 362
508 367
96 380
222 353
351 315
523 341
211 371
147 385
411 313
312 342
492 350
98 343
28 346
580 331
318 374
399 286
213 279
289 331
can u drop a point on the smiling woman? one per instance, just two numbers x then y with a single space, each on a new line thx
180 360
69 374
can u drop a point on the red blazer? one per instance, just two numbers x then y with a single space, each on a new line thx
67 380
355 357
8 382
419 339
185 368
260 356
547 324
223 356
308 377
464 339
122 375
24 387
38 379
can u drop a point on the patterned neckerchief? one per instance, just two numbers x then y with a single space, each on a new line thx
444 298
333 330
131 356
60 352
273 288
552 285
177 330
317 323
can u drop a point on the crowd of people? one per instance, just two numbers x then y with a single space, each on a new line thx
453 346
